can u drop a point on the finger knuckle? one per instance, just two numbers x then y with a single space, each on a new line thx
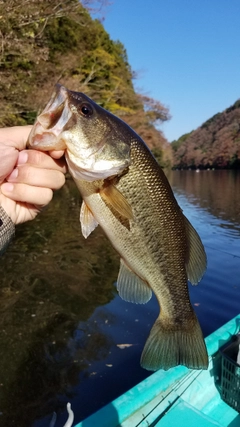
36 157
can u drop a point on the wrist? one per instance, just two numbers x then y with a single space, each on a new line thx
7 229
8 206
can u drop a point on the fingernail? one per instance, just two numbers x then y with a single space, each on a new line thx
13 175
22 157
7 187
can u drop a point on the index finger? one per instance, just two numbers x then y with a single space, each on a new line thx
42 160
15 136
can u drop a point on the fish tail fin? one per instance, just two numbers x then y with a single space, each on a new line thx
170 344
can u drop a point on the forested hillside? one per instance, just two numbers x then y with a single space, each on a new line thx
214 144
45 42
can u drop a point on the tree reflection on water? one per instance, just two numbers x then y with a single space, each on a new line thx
52 280
217 191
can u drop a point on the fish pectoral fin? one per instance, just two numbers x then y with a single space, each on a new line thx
197 261
87 220
115 198
130 287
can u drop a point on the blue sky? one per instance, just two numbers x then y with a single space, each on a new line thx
186 54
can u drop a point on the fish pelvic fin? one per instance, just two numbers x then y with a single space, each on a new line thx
130 287
197 261
169 345
116 199
87 220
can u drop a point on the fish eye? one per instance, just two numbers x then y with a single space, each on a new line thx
86 110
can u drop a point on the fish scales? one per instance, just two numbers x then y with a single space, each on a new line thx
134 204
148 226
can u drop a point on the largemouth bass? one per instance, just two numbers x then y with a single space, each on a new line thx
125 191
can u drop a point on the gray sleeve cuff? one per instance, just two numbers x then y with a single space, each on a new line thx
7 230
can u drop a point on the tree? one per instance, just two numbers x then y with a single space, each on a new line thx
47 42
214 144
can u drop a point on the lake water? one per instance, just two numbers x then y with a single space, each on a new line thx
65 335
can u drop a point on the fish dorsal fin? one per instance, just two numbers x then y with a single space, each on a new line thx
130 287
115 198
87 220
197 261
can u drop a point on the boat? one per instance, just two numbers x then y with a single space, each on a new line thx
183 397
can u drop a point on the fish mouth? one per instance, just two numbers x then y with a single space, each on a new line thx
53 131
52 122
46 133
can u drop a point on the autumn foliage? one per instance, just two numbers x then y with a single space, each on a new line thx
44 42
215 144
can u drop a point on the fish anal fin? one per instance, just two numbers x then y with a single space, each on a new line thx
197 259
130 287
169 345
87 220
116 199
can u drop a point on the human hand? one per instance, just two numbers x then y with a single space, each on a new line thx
27 177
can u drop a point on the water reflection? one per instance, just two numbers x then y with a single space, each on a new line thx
51 279
61 321
217 191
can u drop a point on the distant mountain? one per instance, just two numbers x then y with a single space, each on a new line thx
215 144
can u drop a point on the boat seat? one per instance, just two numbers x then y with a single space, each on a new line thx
182 414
